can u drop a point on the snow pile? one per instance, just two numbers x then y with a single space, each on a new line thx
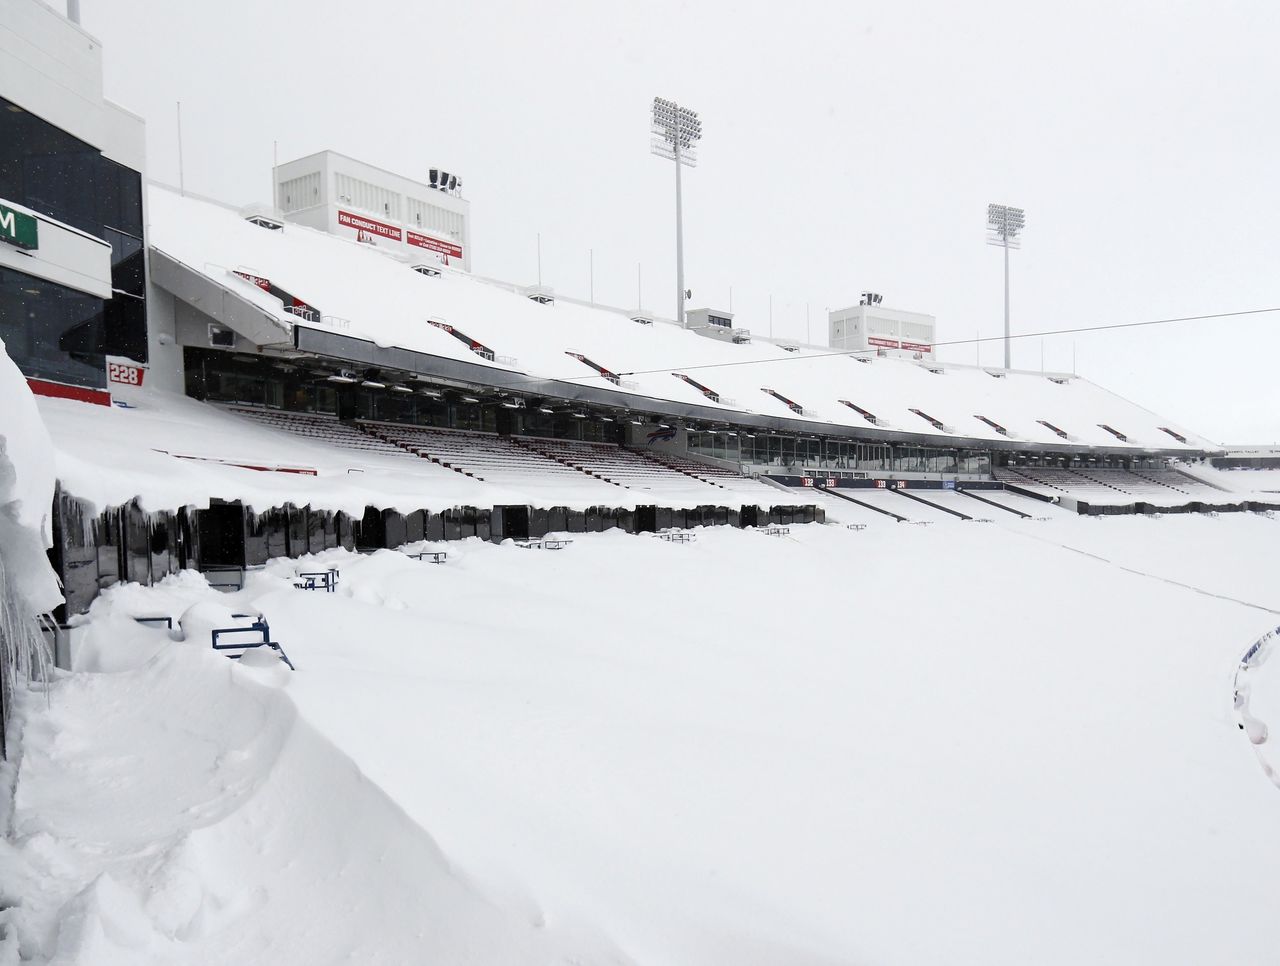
26 494
28 584
206 822
1000 743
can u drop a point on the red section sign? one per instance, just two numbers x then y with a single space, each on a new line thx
883 343
433 244
124 373
360 223
258 280
917 346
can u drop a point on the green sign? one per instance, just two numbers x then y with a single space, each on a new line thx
18 229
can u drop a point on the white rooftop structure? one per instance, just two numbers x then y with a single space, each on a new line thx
427 219
870 326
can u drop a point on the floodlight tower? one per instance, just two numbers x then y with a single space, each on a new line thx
1004 228
676 131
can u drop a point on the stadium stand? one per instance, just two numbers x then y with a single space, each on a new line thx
324 429
480 455
612 463
1107 485
699 471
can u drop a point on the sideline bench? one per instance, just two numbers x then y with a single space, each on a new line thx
677 536
546 543
326 580
259 627
431 556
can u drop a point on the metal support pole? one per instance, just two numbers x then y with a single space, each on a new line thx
1006 302
182 183
679 242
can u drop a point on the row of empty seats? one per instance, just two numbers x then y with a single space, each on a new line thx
480 455
701 471
504 459
613 463
1104 485
325 429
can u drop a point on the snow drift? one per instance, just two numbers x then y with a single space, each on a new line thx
964 743
223 829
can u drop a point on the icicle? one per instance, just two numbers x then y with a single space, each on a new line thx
24 654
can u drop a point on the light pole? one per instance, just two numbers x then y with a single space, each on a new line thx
1004 228
676 131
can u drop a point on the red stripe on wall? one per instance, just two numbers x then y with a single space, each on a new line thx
59 390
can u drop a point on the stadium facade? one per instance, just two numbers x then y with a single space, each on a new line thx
335 343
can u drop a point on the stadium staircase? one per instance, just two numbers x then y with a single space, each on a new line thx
832 491
614 464
481 456
993 503
1179 482
323 429
720 476
1110 486
930 503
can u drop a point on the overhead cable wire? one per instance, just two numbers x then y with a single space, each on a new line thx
955 342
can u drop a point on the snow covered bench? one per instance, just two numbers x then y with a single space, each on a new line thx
676 536
259 628
326 580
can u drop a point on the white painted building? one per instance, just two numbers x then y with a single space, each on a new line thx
869 326
715 324
334 193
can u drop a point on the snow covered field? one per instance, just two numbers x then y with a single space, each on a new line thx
1007 742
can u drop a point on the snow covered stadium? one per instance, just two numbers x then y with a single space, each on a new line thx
835 643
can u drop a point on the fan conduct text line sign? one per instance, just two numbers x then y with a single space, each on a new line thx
18 229
348 220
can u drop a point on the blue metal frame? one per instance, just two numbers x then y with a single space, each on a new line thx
259 626
326 580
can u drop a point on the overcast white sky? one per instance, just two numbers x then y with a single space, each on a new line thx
848 146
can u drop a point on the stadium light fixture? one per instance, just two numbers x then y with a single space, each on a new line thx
373 384
1004 228
676 133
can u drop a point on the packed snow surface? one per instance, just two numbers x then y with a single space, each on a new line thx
1008 742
